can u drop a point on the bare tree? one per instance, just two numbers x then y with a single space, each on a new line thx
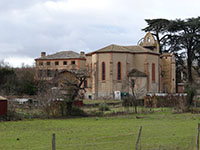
71 86
46 96
137 89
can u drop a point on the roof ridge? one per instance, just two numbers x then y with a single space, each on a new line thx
62 55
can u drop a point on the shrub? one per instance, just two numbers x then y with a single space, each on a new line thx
13 116
76 111
104 107
96 113
127 102
191 92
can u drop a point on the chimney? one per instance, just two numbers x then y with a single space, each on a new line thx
43 54
82 54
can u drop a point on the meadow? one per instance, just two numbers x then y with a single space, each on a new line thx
161 130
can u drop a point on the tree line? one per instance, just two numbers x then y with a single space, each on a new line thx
17 81
182 37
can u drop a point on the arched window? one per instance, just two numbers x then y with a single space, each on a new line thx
119 69
103 71
153 72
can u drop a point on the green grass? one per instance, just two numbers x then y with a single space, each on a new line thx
87 101
161 130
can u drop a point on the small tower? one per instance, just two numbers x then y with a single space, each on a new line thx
168 73
149 42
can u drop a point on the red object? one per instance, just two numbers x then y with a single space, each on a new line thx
180 88
3 107
78 103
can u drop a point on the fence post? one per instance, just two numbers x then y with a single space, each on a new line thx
197 140
54 141
138 138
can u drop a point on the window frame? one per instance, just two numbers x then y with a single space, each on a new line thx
119 71
41 63
56 63
73 63
64 63
85 84
153 72
48 63
103 71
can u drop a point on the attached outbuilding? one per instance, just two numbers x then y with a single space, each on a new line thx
3 106
139 79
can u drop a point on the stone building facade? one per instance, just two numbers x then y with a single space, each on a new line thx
48 66
113 67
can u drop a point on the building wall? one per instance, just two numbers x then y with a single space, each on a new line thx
43 66
168 73
153 85
140 88
89 80
125 59
105 88
143 63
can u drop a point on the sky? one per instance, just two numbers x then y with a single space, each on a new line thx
29 27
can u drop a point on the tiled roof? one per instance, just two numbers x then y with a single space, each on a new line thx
129 49
136 73
62 55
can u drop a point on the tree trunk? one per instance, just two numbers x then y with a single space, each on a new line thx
189 67
135 107
158 40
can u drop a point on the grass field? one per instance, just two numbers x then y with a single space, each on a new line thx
161 131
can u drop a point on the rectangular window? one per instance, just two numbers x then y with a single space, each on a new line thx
48 63
56 63
64 62
73 62
41 63
85 84
153 72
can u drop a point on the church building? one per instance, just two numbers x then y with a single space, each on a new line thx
113 68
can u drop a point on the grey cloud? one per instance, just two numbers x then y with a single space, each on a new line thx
28 27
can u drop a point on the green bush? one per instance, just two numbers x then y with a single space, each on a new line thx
191 92
104 107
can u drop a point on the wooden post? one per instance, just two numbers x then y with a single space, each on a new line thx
138 138
54 141
197 140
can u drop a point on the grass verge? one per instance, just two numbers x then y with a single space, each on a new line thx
161 130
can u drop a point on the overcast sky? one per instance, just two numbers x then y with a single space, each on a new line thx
28 27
